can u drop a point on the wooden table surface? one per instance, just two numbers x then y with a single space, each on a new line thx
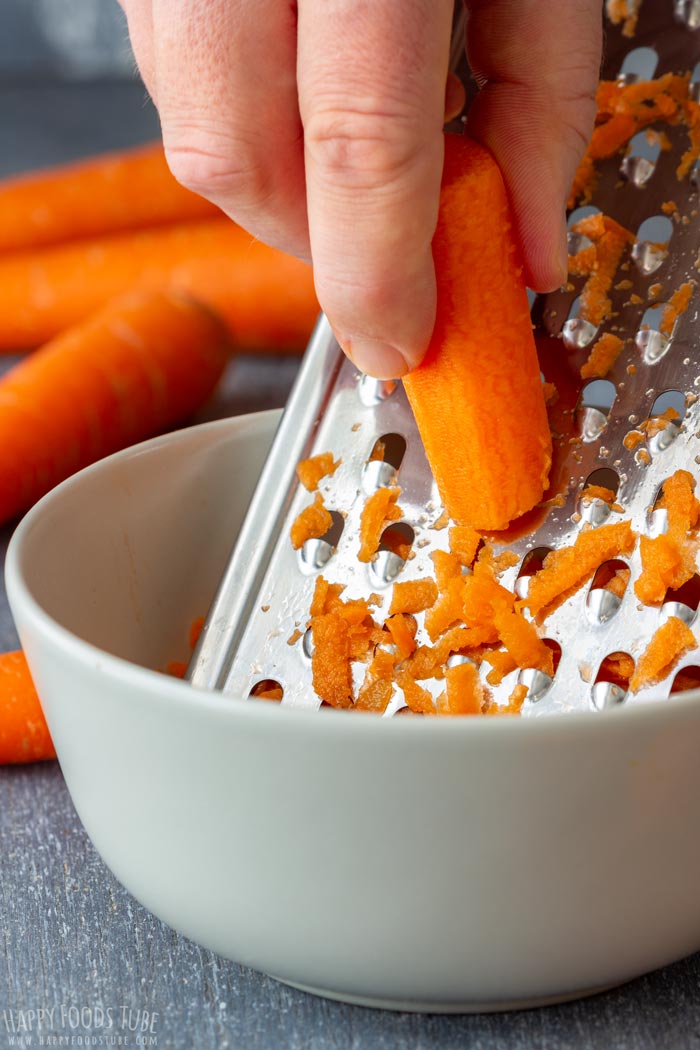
72 937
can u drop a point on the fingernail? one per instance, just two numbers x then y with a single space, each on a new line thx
376 359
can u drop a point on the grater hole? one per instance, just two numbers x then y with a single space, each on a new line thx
383 463
694 85
607 590
537 682
394 550
639 64
307 644
683 602
577 242
658 516
577 333
531 563
267 689
686 679
651 246
596 510
316 553
612 681
373 391
641 158
583 212
687 12
556 653
651 341
595 403
664 430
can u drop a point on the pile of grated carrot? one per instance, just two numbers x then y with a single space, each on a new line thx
478 631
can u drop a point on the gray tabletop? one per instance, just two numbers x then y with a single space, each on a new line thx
73 940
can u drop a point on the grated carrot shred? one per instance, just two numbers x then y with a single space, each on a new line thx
672 640
603 356
379 510
567 569
413 596
464 692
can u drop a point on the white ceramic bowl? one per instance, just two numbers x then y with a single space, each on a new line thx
425 864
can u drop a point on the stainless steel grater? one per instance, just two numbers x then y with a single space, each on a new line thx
256 628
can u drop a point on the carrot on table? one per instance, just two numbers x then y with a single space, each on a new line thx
24 735
143 364
117 191
477 396
266 298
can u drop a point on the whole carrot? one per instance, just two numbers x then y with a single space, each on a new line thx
265 297
105 194
477 396
144 363
24 735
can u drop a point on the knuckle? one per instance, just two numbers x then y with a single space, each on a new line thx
231 175
363 147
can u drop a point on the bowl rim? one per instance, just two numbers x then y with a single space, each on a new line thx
159 685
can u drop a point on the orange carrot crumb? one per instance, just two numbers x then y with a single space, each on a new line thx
310 471
311 523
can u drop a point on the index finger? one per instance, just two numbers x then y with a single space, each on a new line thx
371 78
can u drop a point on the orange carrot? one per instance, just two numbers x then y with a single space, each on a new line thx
104 194
142 364
490 460
24 735
265 297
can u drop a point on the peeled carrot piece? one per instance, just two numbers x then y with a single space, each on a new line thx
24 735
104 194
265 298
671 641
477 396
143 364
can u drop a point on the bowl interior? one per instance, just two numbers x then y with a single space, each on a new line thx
127 553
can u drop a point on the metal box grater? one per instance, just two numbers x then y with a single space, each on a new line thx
255 629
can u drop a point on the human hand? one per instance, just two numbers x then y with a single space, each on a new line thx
317 125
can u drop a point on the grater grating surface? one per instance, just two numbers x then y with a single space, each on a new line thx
255 630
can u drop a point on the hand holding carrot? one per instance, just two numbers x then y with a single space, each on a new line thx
317 126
